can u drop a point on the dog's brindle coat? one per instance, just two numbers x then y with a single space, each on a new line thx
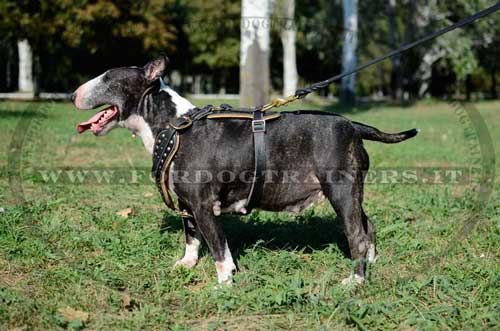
307 144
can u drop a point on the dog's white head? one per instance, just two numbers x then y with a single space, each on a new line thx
134 97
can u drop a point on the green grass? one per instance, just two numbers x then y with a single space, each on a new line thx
67 247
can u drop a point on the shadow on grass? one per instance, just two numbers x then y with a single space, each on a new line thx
304 232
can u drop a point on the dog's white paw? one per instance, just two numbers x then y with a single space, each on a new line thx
353 280
186 263
191 255
228 283
225 268
225 271
371 255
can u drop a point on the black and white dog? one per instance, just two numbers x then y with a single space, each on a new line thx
324 153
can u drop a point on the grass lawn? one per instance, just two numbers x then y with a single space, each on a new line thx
68 260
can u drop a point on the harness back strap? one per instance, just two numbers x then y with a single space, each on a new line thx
243 116
259 134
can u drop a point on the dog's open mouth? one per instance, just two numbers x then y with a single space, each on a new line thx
97 122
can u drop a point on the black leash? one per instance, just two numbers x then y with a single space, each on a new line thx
301 93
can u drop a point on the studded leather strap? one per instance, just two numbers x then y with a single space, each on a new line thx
166 146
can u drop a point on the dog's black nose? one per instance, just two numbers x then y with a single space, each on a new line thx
73 97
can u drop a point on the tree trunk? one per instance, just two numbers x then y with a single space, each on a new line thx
350 9
425 68
37 74
8 67
396 60
26 83
254 52
420 15
288 35
494 93
468 87
381 82
409 35
223 82
197 84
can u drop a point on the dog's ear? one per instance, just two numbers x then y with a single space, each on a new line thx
156 68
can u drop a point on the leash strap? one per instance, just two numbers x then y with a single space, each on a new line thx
259 134
303 92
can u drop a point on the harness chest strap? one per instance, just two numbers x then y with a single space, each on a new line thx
166 146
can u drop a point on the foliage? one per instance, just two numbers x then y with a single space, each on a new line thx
319 33
69 36
484 34
213 28
77 39
83 22
143 20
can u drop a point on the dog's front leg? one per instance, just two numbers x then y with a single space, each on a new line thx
192 244
212 230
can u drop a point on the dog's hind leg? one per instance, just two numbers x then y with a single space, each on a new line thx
193 243
345 193
345 201
212 231
371 254
364 163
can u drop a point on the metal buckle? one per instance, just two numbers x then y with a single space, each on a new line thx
258 125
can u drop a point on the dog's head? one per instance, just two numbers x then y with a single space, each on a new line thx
121 90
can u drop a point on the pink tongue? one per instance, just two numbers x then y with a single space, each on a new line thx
84 126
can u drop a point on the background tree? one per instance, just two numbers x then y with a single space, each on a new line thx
288 38
213 30
349 59
29 23
319 25
475 47
255 52
141 26
25 79
71 42
393 44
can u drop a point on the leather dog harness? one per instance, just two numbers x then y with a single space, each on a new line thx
168 142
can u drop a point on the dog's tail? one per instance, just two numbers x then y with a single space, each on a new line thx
370 133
